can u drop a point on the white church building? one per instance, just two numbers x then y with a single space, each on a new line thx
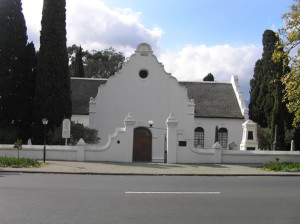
143 113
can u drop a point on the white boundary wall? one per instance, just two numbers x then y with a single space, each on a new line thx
235 156
92 153
120 146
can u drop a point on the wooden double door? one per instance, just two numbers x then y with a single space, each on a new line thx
142 145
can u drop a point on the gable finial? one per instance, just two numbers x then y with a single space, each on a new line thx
144 47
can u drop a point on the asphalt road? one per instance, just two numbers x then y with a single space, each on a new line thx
38 198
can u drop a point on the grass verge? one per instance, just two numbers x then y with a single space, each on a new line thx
15 162
283 167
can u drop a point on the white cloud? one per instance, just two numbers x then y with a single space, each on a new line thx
95 26
32 10
193 63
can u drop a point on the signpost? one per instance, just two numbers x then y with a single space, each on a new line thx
66 130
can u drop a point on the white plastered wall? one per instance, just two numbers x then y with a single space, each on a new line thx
233 126
152 98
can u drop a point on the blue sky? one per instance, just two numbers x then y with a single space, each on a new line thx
209 22
190 37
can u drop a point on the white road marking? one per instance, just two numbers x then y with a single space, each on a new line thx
169 192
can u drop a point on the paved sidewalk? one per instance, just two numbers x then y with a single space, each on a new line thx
114 168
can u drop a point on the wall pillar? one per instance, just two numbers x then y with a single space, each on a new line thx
129 123
171 139
81 150
249 139
218 152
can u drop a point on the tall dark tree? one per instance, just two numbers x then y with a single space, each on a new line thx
17 70
266 107
261 93
53 94
79 69
256 111
209 77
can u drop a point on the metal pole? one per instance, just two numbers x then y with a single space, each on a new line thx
275 139
44 143
292 145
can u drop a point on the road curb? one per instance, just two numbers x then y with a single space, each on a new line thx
151 174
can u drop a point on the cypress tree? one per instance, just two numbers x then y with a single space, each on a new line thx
27 91
265 106
17 70
261 93
79 69
256 112
53 94
277 119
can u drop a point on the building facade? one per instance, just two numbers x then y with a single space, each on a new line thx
205 112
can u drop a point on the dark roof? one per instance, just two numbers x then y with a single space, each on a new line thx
82 91
212 99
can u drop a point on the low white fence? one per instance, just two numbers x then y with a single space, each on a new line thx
93 153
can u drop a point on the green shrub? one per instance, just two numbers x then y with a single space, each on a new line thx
78 131
23 162
9 135
264 137
284 167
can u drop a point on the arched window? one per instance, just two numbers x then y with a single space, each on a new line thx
199 137
223 137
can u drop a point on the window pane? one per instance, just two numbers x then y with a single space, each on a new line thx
199 137
223 137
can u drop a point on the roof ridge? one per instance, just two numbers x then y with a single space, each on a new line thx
211 82
87 78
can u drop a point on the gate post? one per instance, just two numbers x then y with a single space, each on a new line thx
172 139
129 123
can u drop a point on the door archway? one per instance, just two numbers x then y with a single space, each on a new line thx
142 145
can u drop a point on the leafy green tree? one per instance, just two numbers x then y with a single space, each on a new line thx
79 69
98 64
288 51
72 51
265 106
209 77
103 64
53 94
17 70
